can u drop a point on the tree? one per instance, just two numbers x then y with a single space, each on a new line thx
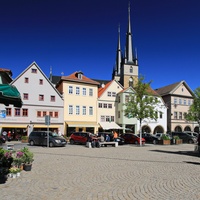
142 104
194 110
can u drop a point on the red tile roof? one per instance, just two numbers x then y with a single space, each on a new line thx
74 78
102 89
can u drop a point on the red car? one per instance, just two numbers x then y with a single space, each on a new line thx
81 137
130 138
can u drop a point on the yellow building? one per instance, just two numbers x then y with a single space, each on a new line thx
80 96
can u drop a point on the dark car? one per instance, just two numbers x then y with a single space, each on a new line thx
41 137
197 144
120 140
130 138
81 137
149 138
184 136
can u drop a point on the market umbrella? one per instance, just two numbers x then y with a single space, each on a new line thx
10 95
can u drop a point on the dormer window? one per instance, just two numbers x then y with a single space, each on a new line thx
131 69
79 75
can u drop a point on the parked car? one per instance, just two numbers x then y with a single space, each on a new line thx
197 144
81 137
195 134
40 138
185 137
120 140
149 138
130 138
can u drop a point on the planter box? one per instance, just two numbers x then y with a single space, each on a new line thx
24 141
164 142
179 141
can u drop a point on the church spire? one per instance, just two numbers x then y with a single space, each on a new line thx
129 50
119 54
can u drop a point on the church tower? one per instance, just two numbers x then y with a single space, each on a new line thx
126 68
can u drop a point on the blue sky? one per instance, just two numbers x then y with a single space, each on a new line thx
72 35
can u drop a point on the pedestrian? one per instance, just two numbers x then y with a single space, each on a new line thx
5 135
115 136
107 138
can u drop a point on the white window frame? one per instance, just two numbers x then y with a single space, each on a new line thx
70 89
70 111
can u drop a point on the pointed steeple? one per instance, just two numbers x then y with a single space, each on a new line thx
119 54
129 49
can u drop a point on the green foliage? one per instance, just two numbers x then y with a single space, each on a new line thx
194 110
176 137
142 104
27 156
165 137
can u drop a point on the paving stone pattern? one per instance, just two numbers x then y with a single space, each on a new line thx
126 172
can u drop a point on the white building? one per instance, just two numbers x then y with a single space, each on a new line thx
40 98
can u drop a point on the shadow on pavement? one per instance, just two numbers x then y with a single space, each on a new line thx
187 153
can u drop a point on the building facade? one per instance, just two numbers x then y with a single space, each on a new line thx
80 103
40 98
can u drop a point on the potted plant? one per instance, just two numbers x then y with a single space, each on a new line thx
18 159
24 139
165 140
5 164
177 140
27 159
13 171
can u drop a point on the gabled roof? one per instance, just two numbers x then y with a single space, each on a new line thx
34 63
74 78
169 89
126 89
103 89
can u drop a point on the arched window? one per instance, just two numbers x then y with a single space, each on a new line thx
131 69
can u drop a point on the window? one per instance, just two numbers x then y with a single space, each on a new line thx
109 94
90 92
77 110
26 80
84 110
39 114
118 114
175 101
53 98
33 70
8 112
84 91
102 118
184 102
70 90
184 114
113 94
189 102
80 75
126 98
109 105
180 115
41 81
112 118
90 110
44 113
77 90
25 112
51 114
17 112
175 115
56 114
105 105
160 115
107 118
180 101
100 105
41 97
25 96
70 110
131 69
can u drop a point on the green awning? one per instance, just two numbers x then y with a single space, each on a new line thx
10 95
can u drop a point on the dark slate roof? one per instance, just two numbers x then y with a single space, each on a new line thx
101 81
55 79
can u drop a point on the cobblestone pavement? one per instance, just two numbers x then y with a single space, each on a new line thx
126 172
